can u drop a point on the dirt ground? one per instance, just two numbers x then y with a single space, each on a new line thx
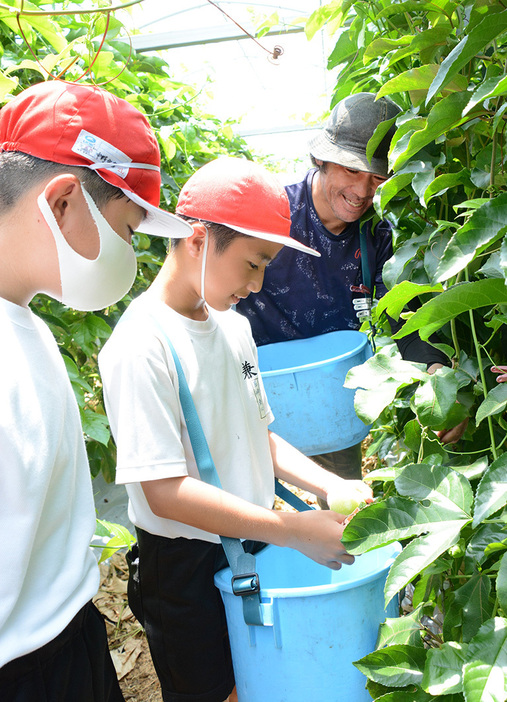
127 641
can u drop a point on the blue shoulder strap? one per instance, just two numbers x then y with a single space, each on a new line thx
245 581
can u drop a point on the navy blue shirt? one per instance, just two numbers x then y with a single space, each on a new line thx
304 295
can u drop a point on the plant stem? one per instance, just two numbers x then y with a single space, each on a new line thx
483 377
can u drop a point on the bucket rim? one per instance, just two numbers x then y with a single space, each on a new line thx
317 364
270 593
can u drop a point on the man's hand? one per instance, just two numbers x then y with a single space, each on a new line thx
449 436
503 370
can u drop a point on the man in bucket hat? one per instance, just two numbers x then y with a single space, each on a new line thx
240 218
79 173
304 297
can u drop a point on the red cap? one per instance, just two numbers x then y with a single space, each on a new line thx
241 195
84 125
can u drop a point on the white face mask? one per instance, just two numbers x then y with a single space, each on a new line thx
92 285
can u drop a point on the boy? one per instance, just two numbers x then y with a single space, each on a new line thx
79 172
240 219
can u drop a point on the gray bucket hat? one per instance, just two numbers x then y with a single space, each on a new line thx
346 133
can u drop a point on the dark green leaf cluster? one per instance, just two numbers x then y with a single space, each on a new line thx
444 64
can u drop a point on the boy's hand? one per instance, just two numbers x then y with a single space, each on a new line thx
318 534
344 497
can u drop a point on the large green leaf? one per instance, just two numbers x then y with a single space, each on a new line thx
485 672
487 223
380 377
402 630
444 182
419 554
445 115
443 669
468 48
398 518
491 492
396 299
490 88
474 602
451 303
495 402
396 666
435 397
441 485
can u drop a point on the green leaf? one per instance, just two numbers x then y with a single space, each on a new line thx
418 78
445 115
391 187
419 554
495 402
396 299
396 666
482 538
381 376
96 426
441 485
397 518
382 46
491 492
404 630
435 397
432 315
485 225
442 672
485 672
468 48
490 88
501 584
473 599
444 182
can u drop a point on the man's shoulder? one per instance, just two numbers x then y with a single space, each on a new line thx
298 191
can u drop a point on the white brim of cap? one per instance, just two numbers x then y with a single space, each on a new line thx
275 238
158 222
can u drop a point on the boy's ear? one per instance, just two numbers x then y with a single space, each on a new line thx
195 242
62 192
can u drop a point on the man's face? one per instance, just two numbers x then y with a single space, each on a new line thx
342 195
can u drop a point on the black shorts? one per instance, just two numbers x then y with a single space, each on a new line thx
73 667
172 593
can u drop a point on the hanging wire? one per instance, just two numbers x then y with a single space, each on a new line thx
273 55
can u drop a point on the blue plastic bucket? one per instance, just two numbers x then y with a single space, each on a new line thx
304 385
317 622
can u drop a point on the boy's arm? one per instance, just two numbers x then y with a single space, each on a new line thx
317 533
297 469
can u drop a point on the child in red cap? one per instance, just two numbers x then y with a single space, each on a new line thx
240 218
79 172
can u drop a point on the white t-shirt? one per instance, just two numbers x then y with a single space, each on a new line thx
219 359
47 517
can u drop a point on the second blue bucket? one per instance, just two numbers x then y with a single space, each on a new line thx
304 385
317 622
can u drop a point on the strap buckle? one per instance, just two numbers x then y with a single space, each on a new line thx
245 584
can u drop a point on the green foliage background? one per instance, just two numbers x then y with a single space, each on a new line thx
444 63
188 139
